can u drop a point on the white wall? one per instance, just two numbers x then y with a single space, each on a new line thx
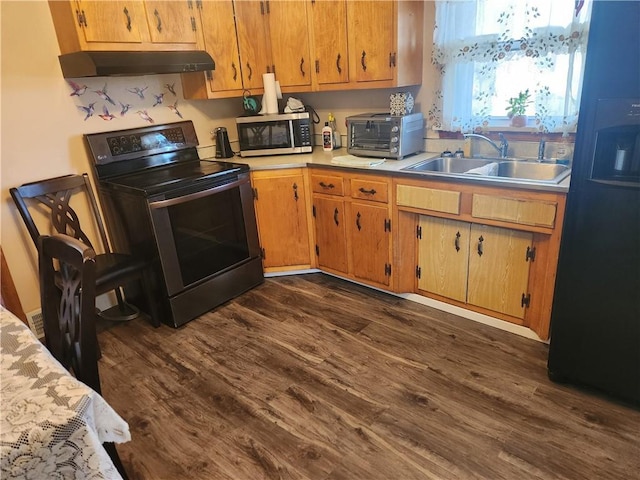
41 125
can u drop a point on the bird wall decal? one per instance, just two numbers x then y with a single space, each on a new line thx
159 99
77 89
88 110
138 91
174 108
105 114
103 95
145 116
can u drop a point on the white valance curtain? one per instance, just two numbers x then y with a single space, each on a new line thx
476 43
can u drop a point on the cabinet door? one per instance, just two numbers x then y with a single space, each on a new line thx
113 21
221 42
498 269
443 257
281 213
289 36
171 22
255 56
329 27
371 35
331 237
370 241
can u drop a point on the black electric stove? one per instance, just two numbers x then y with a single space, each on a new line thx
193 219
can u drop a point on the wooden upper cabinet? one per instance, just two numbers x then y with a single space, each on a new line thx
372 32
218 28
172 22
273 37
252 42
385 43
123 25
328 24
289 36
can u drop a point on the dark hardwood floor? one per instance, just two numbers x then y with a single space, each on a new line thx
312 377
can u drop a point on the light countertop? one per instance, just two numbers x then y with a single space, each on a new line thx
321 158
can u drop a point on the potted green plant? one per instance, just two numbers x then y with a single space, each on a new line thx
517 107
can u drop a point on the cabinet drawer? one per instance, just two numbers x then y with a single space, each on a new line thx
445 201
521 211
364 189
330 184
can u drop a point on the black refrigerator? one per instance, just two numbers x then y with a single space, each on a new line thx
595 321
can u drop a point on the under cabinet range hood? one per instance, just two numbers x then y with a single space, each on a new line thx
114 63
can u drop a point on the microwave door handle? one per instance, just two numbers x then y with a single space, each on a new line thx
292 137
194 196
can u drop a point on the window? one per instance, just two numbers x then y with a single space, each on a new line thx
488 51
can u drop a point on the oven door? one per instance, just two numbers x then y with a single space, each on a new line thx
203 234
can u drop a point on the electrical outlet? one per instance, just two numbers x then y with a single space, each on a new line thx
35 323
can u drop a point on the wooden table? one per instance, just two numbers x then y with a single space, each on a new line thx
52 425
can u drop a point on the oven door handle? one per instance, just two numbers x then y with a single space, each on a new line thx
194 196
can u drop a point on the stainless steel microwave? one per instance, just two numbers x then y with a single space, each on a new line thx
384 135
275 134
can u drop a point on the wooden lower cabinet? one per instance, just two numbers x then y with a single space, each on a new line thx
353 225
499 269
487 249
331 233
370 242
443 257
475 264
282 214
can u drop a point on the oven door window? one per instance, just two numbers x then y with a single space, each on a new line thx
201 237
269 135
370 135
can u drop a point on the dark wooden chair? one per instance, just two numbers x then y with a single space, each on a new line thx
52 198
67 272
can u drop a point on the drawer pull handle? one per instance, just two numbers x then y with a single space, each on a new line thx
367 192
126 14
358 221
335 217
457 242
324 185
480 247
159 20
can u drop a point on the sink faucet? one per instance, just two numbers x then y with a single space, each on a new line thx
541 146
502 149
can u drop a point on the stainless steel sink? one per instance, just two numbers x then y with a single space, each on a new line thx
448 165
516 170
544 172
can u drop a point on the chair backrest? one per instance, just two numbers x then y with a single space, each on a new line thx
54 195
67 293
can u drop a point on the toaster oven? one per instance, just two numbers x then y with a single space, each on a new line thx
384 135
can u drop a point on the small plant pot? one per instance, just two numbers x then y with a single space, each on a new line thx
519 121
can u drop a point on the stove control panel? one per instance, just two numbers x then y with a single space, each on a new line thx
109 147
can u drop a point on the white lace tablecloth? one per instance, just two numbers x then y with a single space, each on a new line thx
53 426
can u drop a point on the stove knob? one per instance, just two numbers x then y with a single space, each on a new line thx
394 149
394 129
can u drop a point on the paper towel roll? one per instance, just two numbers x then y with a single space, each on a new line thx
270 98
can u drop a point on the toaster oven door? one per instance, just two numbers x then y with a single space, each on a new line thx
370 135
